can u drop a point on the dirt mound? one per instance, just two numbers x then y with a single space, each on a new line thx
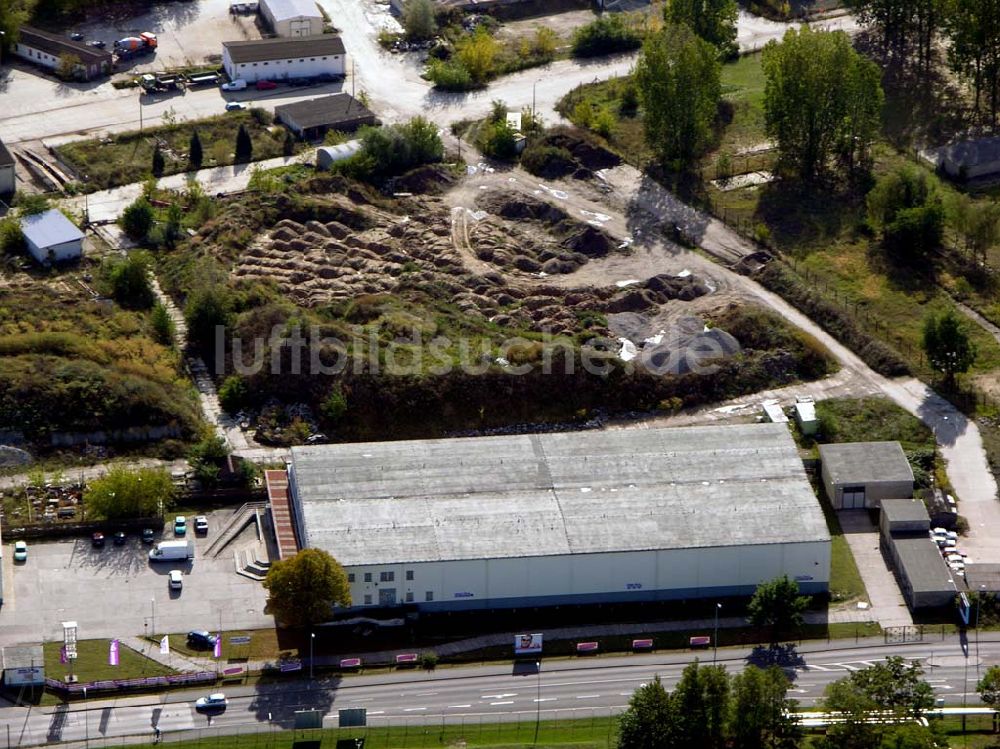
520 206
587 239
430 179
585 148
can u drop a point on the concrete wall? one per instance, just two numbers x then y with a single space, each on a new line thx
278 70
584 578
59 253
7 183
875 491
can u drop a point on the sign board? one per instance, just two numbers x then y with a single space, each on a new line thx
350 663
642 644
528 644
586 647
308 719
289 666
964 607
240 640
700 641
406 658
352 716
69 639
29 676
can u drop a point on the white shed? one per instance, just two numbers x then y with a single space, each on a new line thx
292 17
326 156
285 58
51 237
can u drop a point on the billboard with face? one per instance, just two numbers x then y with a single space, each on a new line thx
528 644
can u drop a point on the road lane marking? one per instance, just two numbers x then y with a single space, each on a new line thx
587 696
546 699
456 706
425 694
503 702
498 696
376 712
412 709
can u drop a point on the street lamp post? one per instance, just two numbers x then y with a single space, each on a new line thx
152 618
312 642
538 698
979 602
715 637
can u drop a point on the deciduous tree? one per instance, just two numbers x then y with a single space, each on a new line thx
777 605
763 716
906 207
124 493
947 345
650 720
973 28
137 219
821 98
712 20
678 81
303 589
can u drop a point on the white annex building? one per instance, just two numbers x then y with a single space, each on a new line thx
51 237
594 516
284 58
292 17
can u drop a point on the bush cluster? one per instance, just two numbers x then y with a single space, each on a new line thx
608 34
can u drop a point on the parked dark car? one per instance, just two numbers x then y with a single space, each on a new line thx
76 36
97 44
97 540
119 538
148 535
200 639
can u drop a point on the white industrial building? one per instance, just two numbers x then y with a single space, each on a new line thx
292 17
566 518
51 237
284 58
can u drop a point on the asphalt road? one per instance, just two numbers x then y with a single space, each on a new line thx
561 689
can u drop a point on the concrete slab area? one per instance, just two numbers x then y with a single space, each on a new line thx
116 592
887 605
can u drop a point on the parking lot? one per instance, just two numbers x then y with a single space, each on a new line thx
114 591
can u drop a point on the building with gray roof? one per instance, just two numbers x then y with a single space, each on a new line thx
51 237
285 58
529 520
924 578
975 158
858 475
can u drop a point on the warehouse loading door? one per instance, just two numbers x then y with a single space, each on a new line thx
854 498
387 597
300 28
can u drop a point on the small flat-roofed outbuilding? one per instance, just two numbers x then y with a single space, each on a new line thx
859 475
904 516
51 237
924 578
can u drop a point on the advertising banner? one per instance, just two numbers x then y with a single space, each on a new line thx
528 644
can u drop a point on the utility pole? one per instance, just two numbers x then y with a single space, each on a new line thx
152 618
715 637
312 642
86 719
538 699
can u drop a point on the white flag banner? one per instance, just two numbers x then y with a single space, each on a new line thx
165 645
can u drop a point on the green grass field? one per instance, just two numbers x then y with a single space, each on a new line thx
91 663
263 645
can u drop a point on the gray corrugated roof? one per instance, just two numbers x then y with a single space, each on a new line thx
861 462
49 228
283 10
983 577
325 110
924 567
905 511
284 48
548 494
23 656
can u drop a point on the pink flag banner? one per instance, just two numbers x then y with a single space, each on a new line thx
62 655
217 648
165 645
113 653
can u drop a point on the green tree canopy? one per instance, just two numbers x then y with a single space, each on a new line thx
394 149
209 308
712 20
763 716
678 81
947 345
821 99
125 493
303 589
196 154
905 206
650 721
777 605
137 219
973 28
129 281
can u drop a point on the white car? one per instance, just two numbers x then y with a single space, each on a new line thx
238 85
20 551
201 524
235 106
215 701
176 579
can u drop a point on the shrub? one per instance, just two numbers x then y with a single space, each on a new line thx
335 405
158 162
207 308
163 326
288 147
261 116
195 152
450 76
603 123
607 34
11 237
547 161
428 660
137 219
28 204
392 150
905 205
244 146
233 393
418 20
497 140
129 281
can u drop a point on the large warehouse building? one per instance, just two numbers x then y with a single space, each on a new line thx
282 59
534 520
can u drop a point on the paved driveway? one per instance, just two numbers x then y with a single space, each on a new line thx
116 592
